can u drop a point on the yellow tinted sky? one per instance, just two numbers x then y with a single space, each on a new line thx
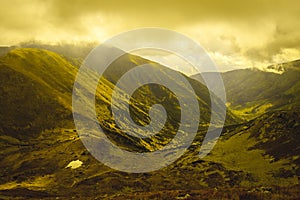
235 33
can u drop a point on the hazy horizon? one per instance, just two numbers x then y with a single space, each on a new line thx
161 57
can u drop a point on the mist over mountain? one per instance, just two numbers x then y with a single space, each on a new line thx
256 157
252 92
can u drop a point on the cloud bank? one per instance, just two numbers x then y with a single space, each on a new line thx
237 34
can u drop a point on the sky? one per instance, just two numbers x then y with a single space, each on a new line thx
236 34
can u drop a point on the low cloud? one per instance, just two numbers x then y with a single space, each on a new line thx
235 33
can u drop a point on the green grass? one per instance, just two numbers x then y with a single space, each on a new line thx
250 111
235 154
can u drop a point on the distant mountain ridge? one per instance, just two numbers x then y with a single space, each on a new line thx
251 93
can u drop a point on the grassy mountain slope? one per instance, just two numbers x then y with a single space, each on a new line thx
267 149
36 86
141 101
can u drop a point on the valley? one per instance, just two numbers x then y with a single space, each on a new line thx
256 157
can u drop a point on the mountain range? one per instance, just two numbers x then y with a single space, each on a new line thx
257 156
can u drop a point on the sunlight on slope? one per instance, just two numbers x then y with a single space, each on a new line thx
235 154
39 183
249 112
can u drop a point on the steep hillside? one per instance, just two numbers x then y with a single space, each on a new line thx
146 96
35 89
37 85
